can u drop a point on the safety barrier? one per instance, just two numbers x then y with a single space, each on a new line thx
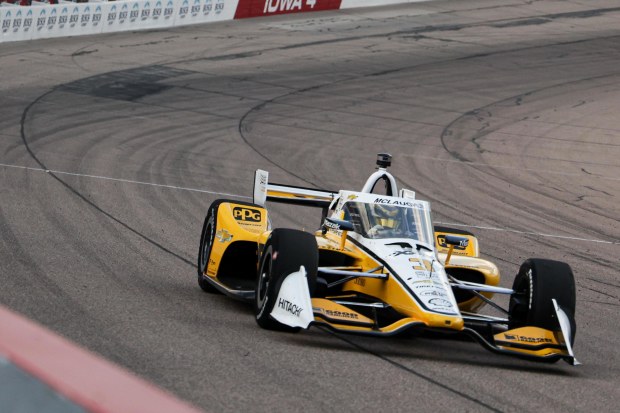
42 20
76 374
73 19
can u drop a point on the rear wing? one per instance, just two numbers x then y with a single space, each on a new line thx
265 191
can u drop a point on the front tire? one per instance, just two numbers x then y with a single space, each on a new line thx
285 251
539 281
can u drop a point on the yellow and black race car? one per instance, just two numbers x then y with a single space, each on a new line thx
377 266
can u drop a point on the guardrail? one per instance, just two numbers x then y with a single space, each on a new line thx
82 377
42 20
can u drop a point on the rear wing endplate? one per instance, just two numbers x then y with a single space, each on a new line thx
288 194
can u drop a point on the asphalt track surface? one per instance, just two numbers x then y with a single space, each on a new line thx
504 114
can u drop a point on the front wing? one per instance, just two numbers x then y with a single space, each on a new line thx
295 308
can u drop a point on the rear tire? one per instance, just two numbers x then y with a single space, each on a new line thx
539 281
285 251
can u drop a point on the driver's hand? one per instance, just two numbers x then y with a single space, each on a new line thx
375 230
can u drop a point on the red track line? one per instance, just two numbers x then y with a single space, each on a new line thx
83 377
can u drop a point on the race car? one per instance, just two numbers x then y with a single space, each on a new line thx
376 265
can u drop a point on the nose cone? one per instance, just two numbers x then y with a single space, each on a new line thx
445 321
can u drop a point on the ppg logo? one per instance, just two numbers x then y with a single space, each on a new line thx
246 214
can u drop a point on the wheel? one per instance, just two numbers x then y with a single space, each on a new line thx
539 281
285 251
206 241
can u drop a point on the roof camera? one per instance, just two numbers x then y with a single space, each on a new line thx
384 160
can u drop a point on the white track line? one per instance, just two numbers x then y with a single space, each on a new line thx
517 168
516 231
204 191
107 178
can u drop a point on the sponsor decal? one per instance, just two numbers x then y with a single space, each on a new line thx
290 307
333 226
157 10
219 6
112 14
146 11
184 9
75 17
97 16
123 14
403 252
52 19
247 214
135 12
41 20
254 8
360 281
272 6
85 19
206 9
422 274
423 284
440 302
426 284
169 10
28 21
17 21
63 18
528 339
6 23
341 314
352 197
433 293
195 8
393 202
223 235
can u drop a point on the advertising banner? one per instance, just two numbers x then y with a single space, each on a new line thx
16 22
67 18
256 8
154 14
203 11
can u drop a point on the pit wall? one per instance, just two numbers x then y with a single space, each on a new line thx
42 20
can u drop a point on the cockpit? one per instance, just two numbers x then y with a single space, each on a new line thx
380 221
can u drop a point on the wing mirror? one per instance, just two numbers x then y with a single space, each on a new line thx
338 224
454 241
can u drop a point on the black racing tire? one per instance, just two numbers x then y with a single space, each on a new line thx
539 281
206 242
284 252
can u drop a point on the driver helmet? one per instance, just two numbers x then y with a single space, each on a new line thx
388 216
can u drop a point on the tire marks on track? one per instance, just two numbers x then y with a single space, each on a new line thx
90 203
488 169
